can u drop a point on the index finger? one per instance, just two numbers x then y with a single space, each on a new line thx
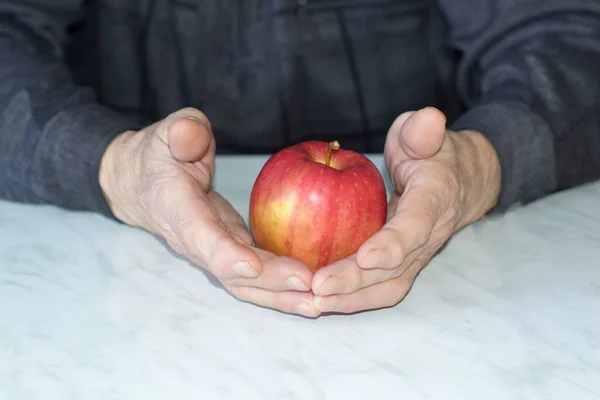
191 218
209 241
417 213
278 274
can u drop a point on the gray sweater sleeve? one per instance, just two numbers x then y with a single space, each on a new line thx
52 132
530 74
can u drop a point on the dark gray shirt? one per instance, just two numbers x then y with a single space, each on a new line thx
269 73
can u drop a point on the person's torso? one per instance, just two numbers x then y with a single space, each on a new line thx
269 73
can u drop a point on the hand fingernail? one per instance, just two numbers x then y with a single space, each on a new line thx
244 269
329 303
329 285
371 260
307 310
295 283
191 118
318 301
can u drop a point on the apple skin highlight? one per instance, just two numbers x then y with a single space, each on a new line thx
302 208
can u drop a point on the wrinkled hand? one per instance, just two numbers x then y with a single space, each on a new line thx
160 178
443 181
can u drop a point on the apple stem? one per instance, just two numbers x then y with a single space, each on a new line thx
332 146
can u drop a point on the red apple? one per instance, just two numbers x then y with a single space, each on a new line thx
317 203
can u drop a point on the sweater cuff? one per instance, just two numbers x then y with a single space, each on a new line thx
525 148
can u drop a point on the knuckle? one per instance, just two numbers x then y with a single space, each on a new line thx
398 244
394 300
354 278
391 301
240 293
422 228
202 174
419 264
206 247
384 276
243 236
212 259
425 229
445 229
435 246
400 288
386 299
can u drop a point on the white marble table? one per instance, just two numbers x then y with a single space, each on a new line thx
91 309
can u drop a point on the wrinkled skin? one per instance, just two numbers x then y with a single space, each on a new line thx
443 181
160 178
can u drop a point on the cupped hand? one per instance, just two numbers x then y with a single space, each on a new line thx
443 181
160 179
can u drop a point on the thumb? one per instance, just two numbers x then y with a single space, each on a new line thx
188 134
416 135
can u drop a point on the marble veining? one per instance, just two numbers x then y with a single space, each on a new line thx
92 309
